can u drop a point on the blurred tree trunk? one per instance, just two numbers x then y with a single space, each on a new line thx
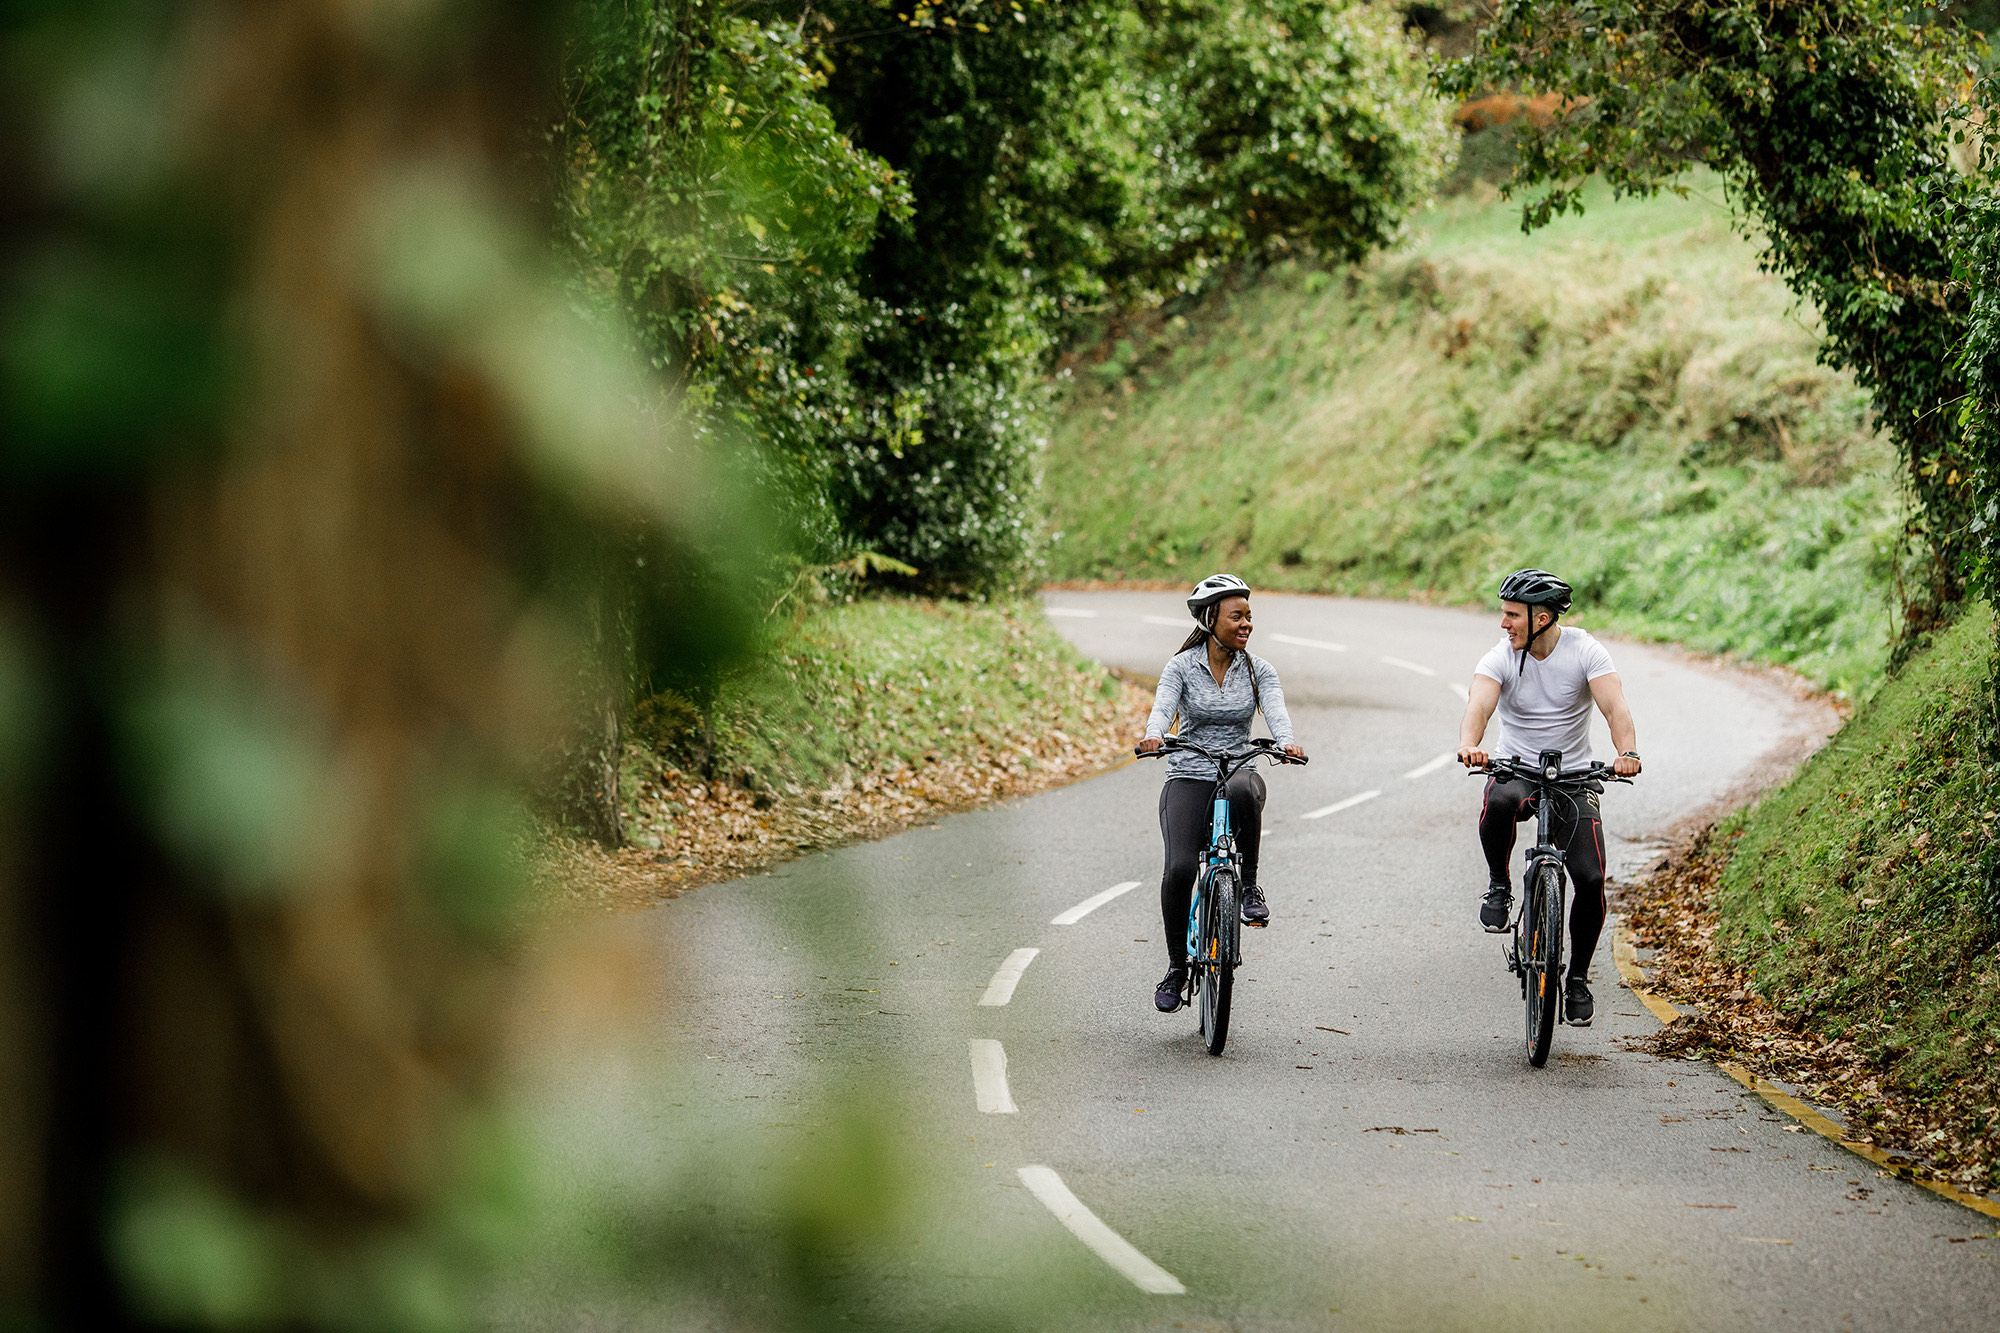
261 519
592 760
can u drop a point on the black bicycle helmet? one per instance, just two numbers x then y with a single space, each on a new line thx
1536 587
1533 588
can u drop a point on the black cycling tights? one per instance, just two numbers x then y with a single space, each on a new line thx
1186 816
1578 828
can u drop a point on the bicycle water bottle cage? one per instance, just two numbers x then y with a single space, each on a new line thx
1552 764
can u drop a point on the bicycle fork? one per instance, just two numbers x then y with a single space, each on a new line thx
1543 852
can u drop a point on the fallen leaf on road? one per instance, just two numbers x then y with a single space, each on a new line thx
1462 1218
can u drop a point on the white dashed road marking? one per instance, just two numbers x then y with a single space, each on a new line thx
1338 806
1001 988
1464 695
1075 613
1166 620
989 1077
1425 770
1311 643
1089 905
1085 1225
1408 666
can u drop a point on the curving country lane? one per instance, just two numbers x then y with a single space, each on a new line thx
1372 1151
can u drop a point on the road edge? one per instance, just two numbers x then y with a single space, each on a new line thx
1624 952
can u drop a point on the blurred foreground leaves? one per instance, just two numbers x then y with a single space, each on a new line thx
316 498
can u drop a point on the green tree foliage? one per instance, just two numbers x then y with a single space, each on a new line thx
856 229
1826 119
707 195
1270 125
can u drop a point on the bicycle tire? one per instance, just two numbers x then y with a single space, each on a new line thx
1544 943
1218 959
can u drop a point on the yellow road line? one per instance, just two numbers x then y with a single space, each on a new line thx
1626 956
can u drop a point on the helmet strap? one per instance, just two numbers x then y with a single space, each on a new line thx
1533 634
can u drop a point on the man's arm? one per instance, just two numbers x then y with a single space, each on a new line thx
1480 701
1609 692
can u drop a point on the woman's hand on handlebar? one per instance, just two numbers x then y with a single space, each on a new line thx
1295 754
1150 745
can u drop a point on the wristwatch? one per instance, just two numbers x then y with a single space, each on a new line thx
1630 754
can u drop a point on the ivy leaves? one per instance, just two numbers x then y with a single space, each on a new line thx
1823 119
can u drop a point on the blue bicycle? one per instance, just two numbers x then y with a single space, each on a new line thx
1215 929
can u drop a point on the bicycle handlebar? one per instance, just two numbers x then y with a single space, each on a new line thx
1508 770
1261 745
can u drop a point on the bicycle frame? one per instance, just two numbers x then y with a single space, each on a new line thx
1545 849
1530 935
1550 783
1221 855
1221 847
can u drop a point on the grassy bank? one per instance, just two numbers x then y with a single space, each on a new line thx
1852 904
862 717
1622 397
1856 897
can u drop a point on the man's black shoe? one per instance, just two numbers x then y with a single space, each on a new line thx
1577 1004
1493 912
1255 911
1167 997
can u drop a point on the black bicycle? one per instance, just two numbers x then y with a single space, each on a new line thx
1534 951
1215 928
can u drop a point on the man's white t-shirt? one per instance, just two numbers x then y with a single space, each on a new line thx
1547 705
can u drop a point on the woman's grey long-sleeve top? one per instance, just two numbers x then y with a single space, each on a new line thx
1215 716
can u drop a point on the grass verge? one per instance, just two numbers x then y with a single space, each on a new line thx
862 718
1841 934
1622 397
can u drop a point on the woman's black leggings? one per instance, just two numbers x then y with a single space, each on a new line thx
1578 829
1186 815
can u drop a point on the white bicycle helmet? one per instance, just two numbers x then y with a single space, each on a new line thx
1212 590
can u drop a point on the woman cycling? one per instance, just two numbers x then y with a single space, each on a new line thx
1216 688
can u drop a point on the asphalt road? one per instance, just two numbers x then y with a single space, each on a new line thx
1372 1151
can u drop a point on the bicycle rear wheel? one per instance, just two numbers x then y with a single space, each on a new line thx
1541 939
1218 957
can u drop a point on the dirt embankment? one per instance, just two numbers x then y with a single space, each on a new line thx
720 830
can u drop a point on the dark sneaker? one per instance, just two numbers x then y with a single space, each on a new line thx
1255 911
1496 907
1577 1004
1167 997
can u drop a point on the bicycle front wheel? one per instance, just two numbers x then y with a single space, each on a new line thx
1541 939
1218 958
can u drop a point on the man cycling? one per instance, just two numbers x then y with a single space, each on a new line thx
1543 678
